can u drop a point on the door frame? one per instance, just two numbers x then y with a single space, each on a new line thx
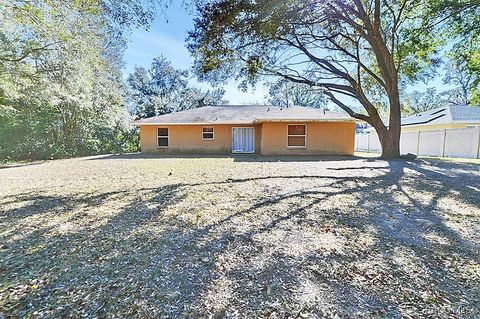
236 152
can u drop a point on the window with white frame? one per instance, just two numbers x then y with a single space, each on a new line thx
162 137
297 135
207 133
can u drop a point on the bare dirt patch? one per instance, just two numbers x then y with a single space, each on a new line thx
144 236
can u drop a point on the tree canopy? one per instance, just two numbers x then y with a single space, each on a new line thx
164 89
285 93
462 31
61 90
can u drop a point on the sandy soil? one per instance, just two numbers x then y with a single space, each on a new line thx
145 236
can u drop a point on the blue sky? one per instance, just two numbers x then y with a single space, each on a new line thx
167 37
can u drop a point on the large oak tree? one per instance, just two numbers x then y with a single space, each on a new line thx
357 51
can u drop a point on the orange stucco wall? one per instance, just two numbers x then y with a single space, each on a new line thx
322 138
270 139
188 139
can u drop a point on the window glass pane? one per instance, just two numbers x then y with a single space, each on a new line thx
208 129
296 130
208 136
296 141
162 131
162 141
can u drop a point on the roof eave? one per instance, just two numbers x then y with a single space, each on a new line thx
473 122
442 123
303 120
193 123
258 121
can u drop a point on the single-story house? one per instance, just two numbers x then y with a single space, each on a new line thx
441 118
266 130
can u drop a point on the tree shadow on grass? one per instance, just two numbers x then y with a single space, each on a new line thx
255 158
349 245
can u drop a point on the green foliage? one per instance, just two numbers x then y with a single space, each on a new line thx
61 90
257 35
417 102
318 43
164 89
461 30
35 135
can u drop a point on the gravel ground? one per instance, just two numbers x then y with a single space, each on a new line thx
147 237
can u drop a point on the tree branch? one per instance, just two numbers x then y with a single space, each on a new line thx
348 109
27 53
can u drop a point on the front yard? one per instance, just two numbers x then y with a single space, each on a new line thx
144 236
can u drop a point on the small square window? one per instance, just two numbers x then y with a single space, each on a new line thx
296 141
207 133
297 136
162 131
296 130
162 137
163 141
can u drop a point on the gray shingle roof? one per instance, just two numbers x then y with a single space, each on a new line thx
243 114
465 113
444 115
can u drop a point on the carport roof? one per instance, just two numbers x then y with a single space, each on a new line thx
244 114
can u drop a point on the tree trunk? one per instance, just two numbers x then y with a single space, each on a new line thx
390 145
391 140
389 136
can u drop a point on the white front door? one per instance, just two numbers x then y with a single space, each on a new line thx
243 140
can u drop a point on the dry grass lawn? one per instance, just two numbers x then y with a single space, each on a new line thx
148 237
